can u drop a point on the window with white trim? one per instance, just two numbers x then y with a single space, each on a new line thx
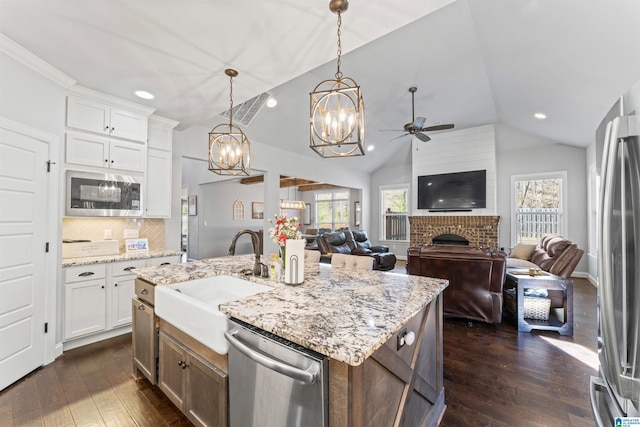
394 208
332 209
538 206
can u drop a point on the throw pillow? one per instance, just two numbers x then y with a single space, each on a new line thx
522 251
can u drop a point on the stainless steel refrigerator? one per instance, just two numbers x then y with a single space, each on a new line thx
615 393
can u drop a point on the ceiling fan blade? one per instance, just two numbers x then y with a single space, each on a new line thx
398 137
437 127
422 137
418 122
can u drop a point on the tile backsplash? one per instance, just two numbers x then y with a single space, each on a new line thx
94 229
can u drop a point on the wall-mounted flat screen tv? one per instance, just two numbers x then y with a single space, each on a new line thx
453 191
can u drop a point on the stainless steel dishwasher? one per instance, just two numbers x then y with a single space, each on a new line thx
274 382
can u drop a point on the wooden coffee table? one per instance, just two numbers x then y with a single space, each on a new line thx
519 279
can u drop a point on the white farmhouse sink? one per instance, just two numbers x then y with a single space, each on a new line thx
193 306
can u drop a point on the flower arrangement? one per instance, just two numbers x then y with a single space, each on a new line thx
284 228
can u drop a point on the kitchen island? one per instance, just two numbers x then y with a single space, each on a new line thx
382 332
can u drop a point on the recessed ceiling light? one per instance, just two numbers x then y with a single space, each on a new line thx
540 116
143 94
272 102
370 148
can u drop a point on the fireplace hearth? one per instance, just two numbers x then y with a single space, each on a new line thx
478 231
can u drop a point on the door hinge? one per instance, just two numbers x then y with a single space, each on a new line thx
46 247
49 163
46 328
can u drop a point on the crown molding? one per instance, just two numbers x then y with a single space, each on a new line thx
27 58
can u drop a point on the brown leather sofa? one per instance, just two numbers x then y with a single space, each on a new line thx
356 242
555 255
476 277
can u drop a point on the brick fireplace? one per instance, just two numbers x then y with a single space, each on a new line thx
480 231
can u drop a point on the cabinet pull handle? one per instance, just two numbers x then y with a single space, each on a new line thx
86 273
129 268
166 263
141 307
144 291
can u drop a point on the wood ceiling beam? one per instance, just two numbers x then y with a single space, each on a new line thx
285 181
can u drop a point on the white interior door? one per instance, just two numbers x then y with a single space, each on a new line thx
23 232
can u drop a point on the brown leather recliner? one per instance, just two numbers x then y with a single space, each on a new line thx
476 277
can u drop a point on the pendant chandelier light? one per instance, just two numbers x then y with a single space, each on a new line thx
337 109
229 148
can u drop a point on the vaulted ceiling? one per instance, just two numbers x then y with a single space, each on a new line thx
474 62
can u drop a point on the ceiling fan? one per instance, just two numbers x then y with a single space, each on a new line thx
415 126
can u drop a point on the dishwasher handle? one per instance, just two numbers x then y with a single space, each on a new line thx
275 365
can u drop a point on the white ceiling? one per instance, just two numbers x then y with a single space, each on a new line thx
474 62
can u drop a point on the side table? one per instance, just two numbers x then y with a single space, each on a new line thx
520 279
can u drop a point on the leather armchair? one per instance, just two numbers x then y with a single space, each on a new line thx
356 243
476 277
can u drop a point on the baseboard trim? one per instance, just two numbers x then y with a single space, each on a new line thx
90 339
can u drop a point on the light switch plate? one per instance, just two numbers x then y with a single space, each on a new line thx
131 233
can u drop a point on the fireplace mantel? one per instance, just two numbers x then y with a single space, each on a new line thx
480 231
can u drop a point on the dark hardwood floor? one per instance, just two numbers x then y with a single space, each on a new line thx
494 376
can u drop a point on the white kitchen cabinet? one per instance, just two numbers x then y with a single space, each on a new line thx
159 167
158 183
85 300
122 288
93 150
97 300
98 117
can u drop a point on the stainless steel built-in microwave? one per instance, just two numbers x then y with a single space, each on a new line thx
92 194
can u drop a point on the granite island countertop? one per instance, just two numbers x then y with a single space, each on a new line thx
70 262
341 313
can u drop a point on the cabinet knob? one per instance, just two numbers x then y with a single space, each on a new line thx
183 364
410 338
144 291
112 129
102 286
141 307
116 285
106 160
106 128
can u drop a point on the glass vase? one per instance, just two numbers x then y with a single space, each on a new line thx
283 255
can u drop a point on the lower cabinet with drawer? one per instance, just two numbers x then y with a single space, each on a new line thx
97 299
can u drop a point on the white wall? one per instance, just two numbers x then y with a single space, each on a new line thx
395 172
215 217
545 157
31 98
193 143
516 153
456 151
